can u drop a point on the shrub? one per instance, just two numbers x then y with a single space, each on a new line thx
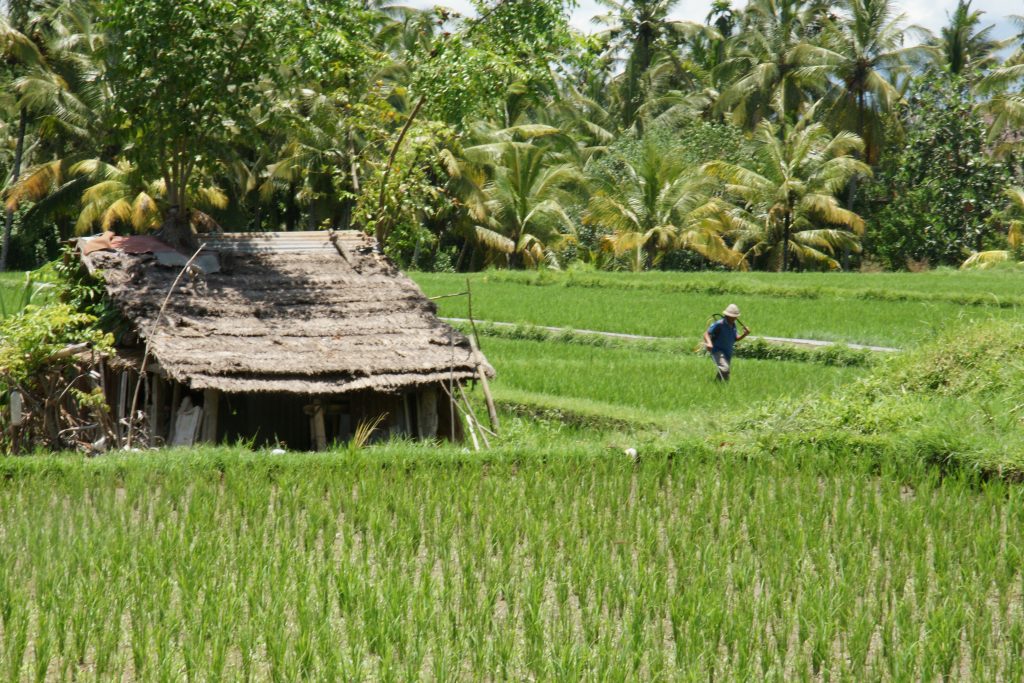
44 357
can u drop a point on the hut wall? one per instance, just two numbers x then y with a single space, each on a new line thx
288 420
265 420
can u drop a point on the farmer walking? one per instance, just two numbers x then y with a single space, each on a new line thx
720 338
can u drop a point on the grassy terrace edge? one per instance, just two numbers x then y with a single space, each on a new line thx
703 285
837 354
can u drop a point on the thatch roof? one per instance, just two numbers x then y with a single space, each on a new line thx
296 312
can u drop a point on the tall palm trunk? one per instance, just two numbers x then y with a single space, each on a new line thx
15 172
381 228
785 243
639 62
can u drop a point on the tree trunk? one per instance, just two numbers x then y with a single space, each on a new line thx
380 229
15 173
851 188
353 164
513 258
176 230
462 256
785 243
637 66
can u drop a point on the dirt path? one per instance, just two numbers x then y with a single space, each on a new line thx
788 341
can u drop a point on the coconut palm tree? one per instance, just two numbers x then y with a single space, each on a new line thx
767 70
651 205
788 209
963 48
18 45
109 196
524 200
640 30
1004 105
861 53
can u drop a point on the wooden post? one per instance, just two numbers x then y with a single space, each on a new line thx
175 403
154 407
427 413
492 411
410 428
122 396
211 400
318 430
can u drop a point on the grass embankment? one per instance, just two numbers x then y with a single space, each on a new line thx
836 354
957 403
560 565
661 388
993 288
678 304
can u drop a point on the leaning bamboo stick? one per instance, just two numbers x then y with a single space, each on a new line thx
492 410
149 340
472 415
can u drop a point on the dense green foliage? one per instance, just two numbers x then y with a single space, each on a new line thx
507 138
944 186
40 368
30 340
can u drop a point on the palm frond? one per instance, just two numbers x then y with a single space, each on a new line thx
494 241
119 211
36 184
985 259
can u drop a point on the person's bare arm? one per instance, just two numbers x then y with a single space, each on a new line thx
746 331
707 341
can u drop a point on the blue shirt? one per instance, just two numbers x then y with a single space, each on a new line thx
723 337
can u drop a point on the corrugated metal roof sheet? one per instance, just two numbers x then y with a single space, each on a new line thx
287 242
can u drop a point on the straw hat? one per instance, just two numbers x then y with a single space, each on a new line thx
731 311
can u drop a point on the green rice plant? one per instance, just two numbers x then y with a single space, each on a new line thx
626 387
566 561
837 354
994 288
838 316
950 404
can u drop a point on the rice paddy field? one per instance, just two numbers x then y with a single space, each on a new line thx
884 309
565 567
815 519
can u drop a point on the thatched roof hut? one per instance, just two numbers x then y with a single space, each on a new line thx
300 314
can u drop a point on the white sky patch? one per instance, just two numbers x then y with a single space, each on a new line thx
931 14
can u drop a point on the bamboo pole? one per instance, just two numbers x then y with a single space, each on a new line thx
470 415
149 340
492 410
478 360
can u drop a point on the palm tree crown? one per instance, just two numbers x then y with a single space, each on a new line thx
651 205
785 208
